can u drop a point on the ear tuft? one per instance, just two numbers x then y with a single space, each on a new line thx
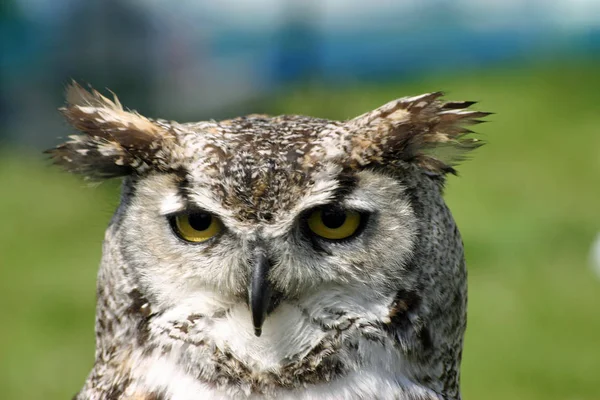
115 142
421 130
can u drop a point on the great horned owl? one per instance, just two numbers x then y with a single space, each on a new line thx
282 257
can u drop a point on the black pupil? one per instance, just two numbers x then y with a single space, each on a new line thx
200 221
333 217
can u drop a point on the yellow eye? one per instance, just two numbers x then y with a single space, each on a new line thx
334 223
197 226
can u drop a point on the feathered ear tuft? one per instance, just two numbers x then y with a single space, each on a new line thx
421 130
115 142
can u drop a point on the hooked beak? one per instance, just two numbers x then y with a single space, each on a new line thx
259 292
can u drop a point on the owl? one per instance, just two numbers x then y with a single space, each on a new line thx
283 257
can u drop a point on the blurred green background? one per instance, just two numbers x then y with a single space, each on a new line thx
527 204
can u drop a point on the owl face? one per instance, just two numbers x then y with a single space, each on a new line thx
337 232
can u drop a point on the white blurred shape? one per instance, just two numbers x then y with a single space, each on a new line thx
595 255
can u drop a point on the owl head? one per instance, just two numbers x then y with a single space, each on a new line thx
282 223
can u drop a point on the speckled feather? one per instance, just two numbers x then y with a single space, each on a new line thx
258 155
381 316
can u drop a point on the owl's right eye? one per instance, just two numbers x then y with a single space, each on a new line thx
196 226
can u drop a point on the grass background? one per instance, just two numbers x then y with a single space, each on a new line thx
527 206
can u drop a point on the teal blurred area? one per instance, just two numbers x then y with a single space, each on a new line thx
527 203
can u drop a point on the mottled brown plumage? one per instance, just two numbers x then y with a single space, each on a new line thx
379 314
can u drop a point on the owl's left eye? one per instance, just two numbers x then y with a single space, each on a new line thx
197 226
334 223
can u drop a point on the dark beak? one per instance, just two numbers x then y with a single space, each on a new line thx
259 292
